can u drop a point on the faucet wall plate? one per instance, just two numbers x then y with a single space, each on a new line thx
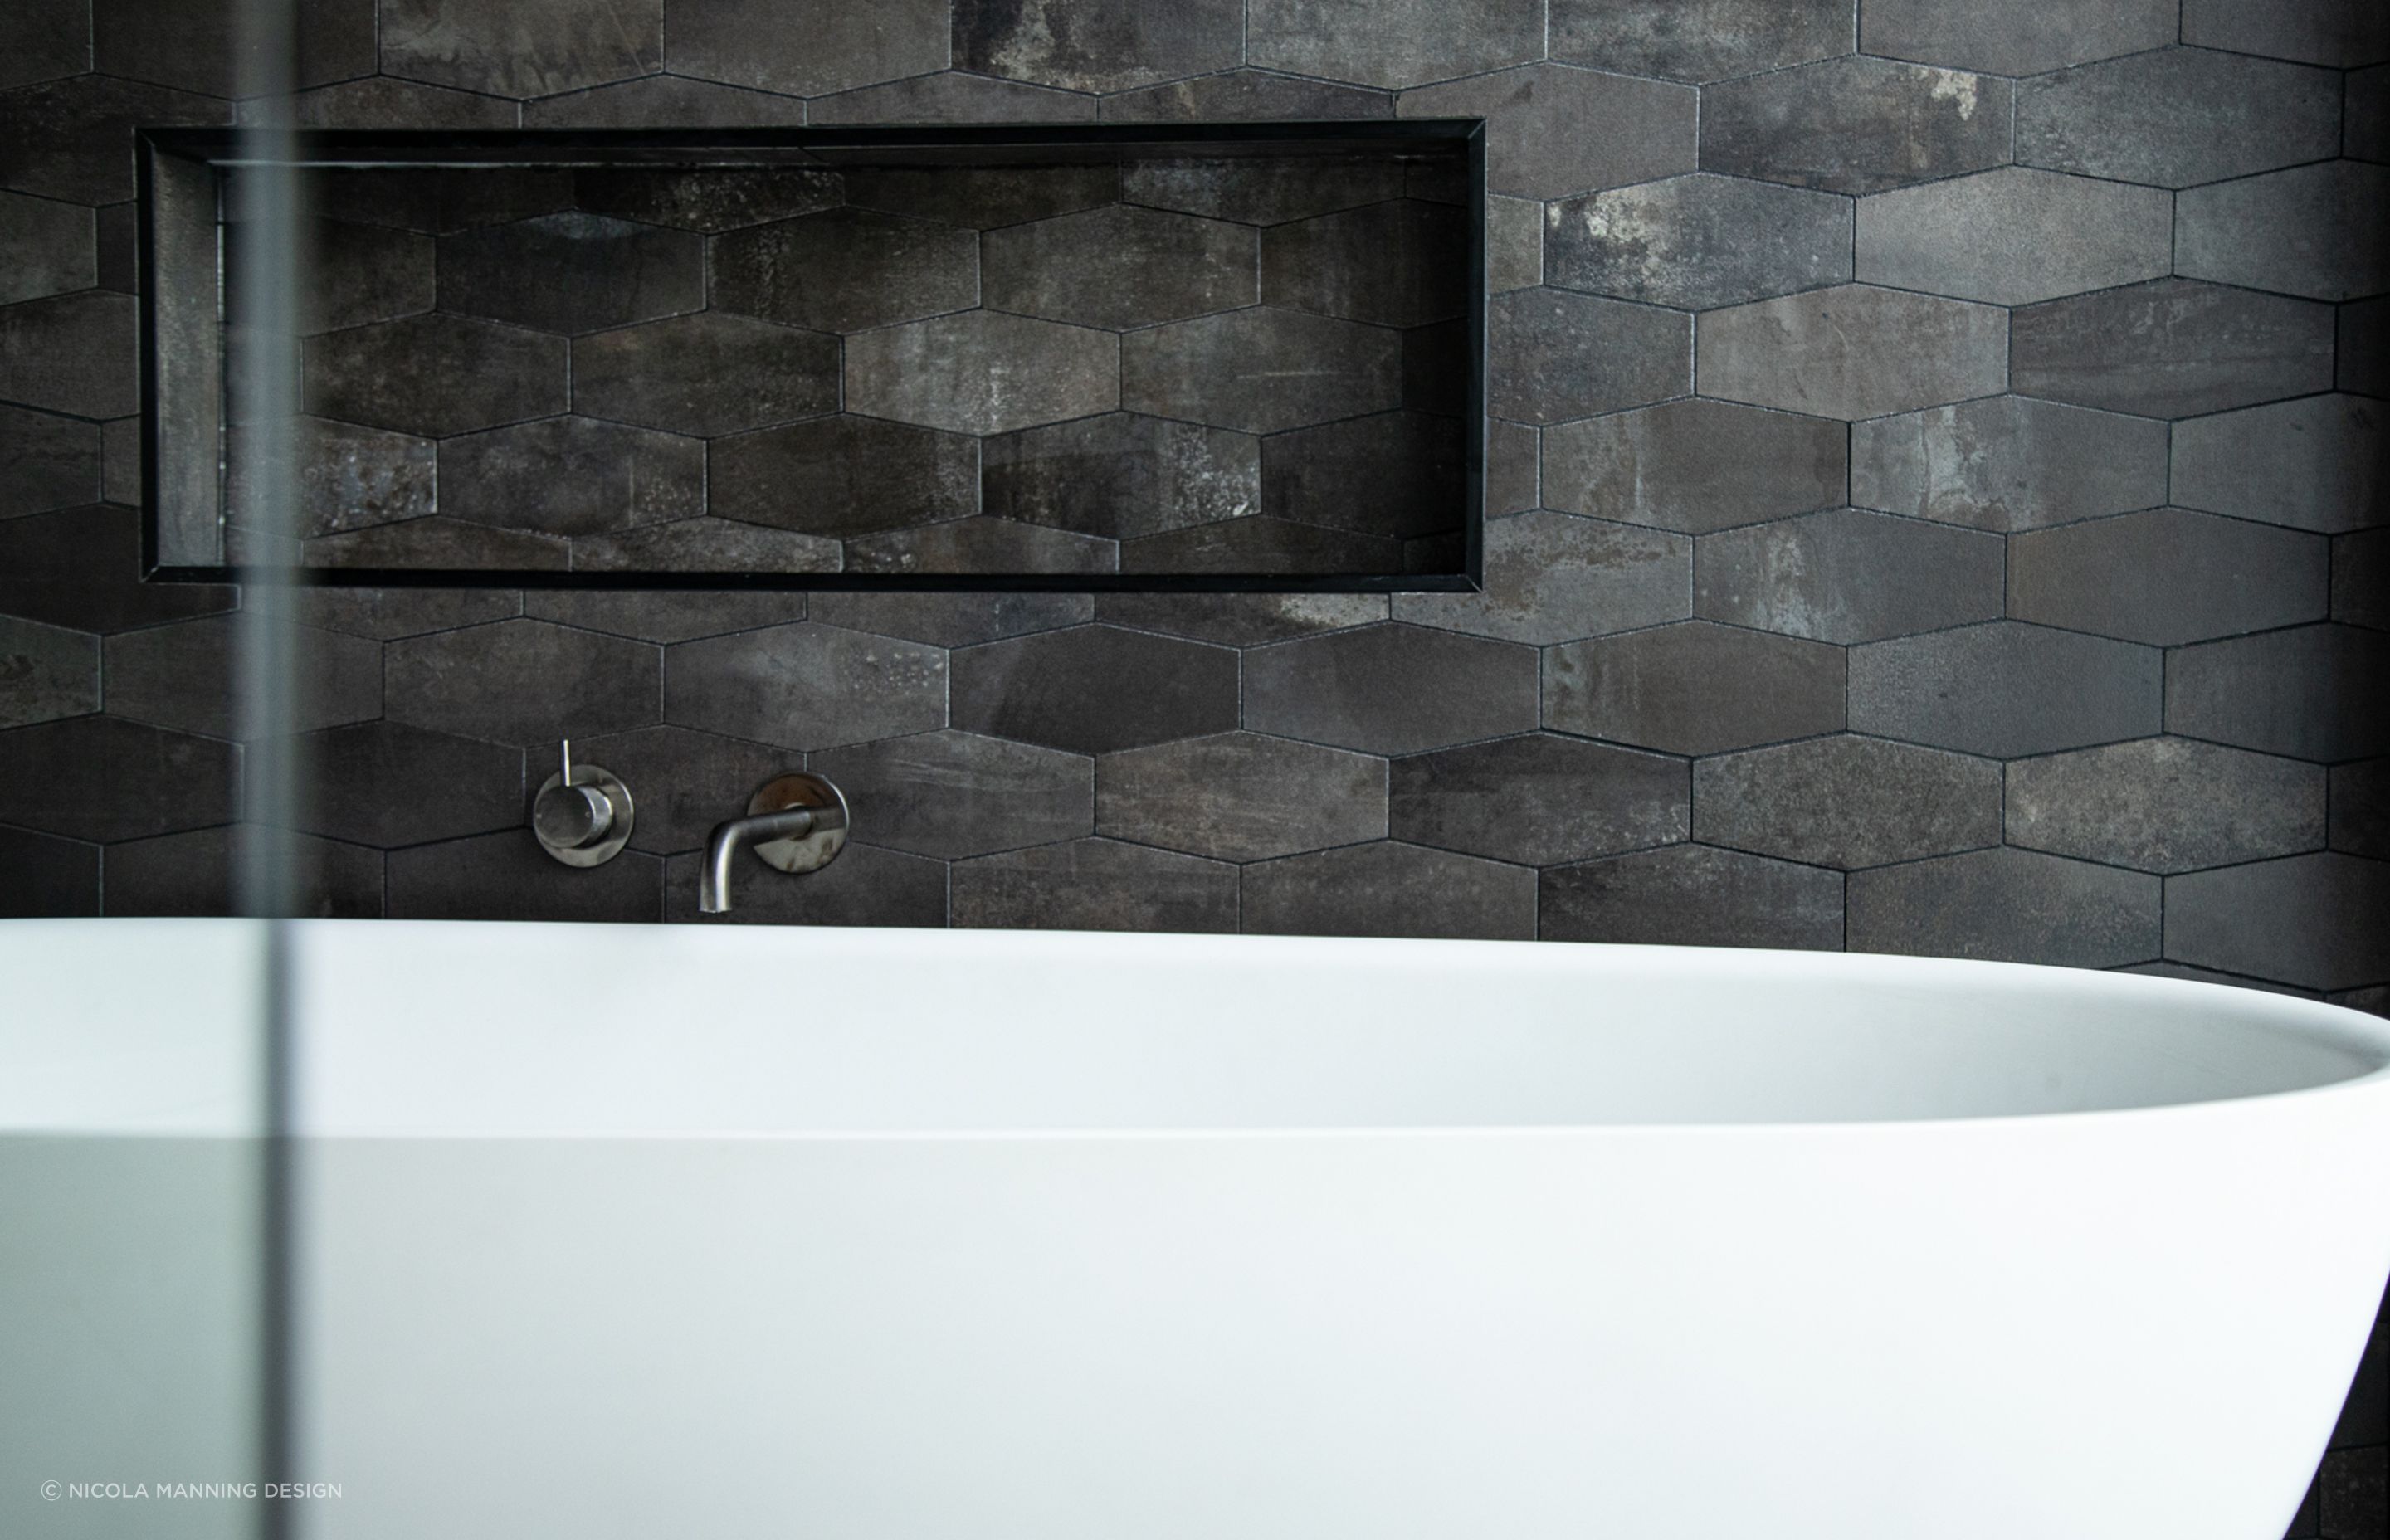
812 851
560 819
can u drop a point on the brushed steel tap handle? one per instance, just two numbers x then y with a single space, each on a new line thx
582 813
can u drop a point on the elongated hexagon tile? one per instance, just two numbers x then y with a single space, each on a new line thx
2013 235
197 48
2320 31
523 682
653 99
45 248
196 873
1118 266
522 47
2007 906
1554 577
80 568
1856 125
1847 802
1698 242
1404 42
1553 131
381 102
46 462
805 685
507 877
1396 473
1260 544
2177 117
441 201
572 476
43 40
2361 808
2005 688
705 545
1693 895
683 782
435 542
360 273
1698 40
982 197
96 778
1398 263
72 139
952 97
2319 692
185 676
804 47
1241 796
1391 690
953 794
1241 620
2312 920
1847 575
1559 356
2364 338
1695 688
2312 464
953 620
844 474
867 885
2365 127
1694 466
595 272
2360 579
2316 231
2166 804
982 372
1097 45
1261 370
2015 37
46 672
1854 352
1122 475
72 353
982 547
845 270
1262 190
1244 96
435 375
1094 688
1390 889
2008 463
49 878
1539 800
663 615
385 614
708 375
1096 885
2174 347
2168 576
1514 244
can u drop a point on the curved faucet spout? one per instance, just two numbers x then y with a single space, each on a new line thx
729 838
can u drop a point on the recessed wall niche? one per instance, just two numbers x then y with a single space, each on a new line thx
1196 357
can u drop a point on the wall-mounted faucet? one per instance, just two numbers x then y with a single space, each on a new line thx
795 823
582 813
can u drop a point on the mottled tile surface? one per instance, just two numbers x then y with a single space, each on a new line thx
1241 797
1698 242
1553 131
2011 237
2177 117
1695 465
1857 124
2172 349
1539 800
1847 575
1854 352
1695 688
2008 463
1698 40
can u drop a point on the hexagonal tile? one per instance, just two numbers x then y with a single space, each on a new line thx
682 782
2011 237
1262 371
1539 800
706 198
1854 352
1847 802
2172 349
1856 125
595 272
1397 263
844 474
2316 231
953 794
2360 579
845 270
1094 690
709 375
71 139
1393 473
1122 475
2320 31
197 873
1553 131
96 778
1694 466
2319 692
1241 796
653 99
45 248
522 47
2312 464
45 673
1553 577
1693 895
442 201
2168 576
805 47
1096 885
51 878
1097 45
1118 267
663 615
1262 189
982 547
2360 808
1846 576
1244 96
952 97
1241 620
982 372
1404 42
435 375
80 568
2177 116
197 47
2005 689
806 686
2311 920
46 462
435 543
1391 690
2008 463
507 877
705 545
72 353
1390 889
1559 356
526 682
1258 545
2166 804
381 102
2007 906
45 39
1697 242
1698 40
982 197
572 476
2016 37
953 620
185 676
1695 688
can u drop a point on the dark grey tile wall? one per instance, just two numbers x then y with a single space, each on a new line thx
1939 463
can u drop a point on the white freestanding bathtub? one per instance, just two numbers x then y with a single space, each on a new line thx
854 1234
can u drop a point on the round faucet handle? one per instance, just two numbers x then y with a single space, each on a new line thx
573 817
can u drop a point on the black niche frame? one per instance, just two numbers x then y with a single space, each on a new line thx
186 167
